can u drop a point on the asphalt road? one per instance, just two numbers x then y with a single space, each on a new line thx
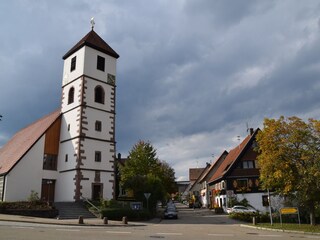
198 224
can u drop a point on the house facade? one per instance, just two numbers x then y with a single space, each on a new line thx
69 154
237 177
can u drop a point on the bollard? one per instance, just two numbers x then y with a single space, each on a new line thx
125 220
254 221
80 220
105 220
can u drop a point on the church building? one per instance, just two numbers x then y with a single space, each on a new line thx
69 154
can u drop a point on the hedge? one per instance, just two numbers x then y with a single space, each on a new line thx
119 213
247 217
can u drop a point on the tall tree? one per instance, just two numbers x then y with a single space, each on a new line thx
144 172
289 159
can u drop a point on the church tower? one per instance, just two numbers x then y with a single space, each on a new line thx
87 137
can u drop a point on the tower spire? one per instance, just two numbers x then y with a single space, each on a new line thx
92 23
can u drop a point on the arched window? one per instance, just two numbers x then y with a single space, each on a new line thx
99 95
71 95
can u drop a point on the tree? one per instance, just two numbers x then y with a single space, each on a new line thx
144 172
289 159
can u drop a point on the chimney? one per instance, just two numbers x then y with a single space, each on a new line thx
251 131
119 156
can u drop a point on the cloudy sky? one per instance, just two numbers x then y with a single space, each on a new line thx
192 74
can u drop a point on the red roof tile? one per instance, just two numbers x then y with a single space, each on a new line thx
93 40
23 140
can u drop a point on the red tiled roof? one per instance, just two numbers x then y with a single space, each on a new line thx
194 173
93 40
23 140
218 161
231 158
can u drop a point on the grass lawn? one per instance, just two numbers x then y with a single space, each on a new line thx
292 227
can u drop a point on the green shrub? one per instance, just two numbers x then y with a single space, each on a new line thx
119 213
247 217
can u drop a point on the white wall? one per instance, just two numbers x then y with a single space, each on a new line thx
69 76
65 186
26 175
91 69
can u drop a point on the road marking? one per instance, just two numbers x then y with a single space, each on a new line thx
170 234
68 230
116 232
221 234
23 227
268 235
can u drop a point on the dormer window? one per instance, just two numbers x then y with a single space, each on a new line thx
99 95
73 63
100 63
71 95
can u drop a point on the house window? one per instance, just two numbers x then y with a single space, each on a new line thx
50 162
248 164
98 126
71 95
73 63
99 95
97 156
66 158
242 183
100 63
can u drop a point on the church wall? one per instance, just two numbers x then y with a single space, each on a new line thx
90 147
26 175
106 124
65 186
89 93
91 69
70 75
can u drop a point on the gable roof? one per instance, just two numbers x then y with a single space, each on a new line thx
194 173
93 40
204 170
214 165
232 157
22 141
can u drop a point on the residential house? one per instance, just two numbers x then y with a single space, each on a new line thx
69 154
237 177
195 188
206 190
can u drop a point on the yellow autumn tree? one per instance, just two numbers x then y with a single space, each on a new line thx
289 159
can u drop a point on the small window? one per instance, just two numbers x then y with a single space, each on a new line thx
66 158
68 127
99 95
71 95
50 162
98 126
97 156
248 164
100 63
73 63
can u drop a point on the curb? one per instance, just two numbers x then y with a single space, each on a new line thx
280 230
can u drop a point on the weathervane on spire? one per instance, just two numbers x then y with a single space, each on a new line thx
92 23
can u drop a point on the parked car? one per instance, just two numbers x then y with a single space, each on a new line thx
240 209
171 212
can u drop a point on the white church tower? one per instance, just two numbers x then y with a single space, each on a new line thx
87 137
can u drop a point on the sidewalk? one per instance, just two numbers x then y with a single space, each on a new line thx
73 222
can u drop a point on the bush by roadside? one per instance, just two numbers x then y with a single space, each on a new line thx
247 217
27 208
119 213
